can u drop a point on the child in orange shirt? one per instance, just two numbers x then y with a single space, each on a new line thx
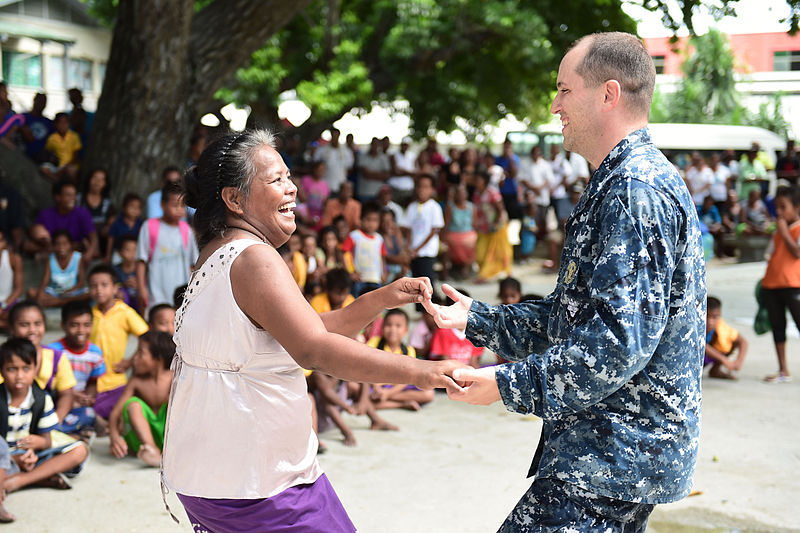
781 283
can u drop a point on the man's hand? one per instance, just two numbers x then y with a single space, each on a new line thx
453 316
406 291
480 386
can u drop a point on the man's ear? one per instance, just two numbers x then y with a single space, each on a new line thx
233 199
612 91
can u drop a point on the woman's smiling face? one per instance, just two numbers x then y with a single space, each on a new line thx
269 207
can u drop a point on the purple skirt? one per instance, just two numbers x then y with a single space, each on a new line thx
299 509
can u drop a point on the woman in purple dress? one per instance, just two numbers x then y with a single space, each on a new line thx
239 448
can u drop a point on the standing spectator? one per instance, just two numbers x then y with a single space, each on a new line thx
560 180
170 174
536 176
752 173
459 233
9 120
167 250
345 205
422 222
509 161
315 191
80 120
781 283
432 151
721 183
66 215
338 160
355 151
403 164
699 178
375 170
788 165
365 252
493 251
385 201
470 167
37 129
579 166
66 145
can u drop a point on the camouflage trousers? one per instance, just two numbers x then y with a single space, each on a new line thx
551 505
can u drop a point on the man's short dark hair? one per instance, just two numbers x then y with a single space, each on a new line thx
370 208
712 304
75 308
59 116
790 193
22 348
396 312
103 269
171 189
622 57
427 177
338 279
126 238
60 184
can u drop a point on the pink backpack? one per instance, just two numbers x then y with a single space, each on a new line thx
154 224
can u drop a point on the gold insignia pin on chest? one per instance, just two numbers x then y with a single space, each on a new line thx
569 275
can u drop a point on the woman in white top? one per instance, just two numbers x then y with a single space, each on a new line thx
239 447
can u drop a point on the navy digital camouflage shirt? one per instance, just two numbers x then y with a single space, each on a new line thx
612 359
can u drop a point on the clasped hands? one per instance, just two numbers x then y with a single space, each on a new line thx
477 386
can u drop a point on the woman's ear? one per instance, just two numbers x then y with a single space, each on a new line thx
233 200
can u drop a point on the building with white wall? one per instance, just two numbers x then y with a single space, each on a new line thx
51 46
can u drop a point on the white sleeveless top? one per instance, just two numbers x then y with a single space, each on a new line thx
239 417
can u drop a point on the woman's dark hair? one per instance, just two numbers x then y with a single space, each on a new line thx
19 307
161 346
227 162
22 348
106 188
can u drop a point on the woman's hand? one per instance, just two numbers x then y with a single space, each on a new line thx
438 375
406 291
452 316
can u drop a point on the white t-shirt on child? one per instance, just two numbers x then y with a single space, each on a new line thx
421 219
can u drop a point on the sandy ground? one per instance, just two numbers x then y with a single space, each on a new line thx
458 468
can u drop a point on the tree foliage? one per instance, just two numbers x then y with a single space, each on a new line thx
477 60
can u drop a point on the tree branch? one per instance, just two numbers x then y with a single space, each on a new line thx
214 57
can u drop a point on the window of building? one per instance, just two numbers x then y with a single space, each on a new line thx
79 74
55 72
659 61
786 61
22 69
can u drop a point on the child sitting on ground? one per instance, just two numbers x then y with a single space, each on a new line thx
113 322
12 279
54 372
64 278
453 344
422 333
125 272
87 365
137 421
337 292
395 328
27 418
162 318
721 343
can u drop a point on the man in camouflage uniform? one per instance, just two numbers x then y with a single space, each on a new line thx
612 359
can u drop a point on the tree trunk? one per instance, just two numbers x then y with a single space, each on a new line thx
165 65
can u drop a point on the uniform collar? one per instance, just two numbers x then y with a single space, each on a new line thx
615 157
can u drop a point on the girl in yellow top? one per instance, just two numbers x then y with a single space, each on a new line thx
395 328
781 283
